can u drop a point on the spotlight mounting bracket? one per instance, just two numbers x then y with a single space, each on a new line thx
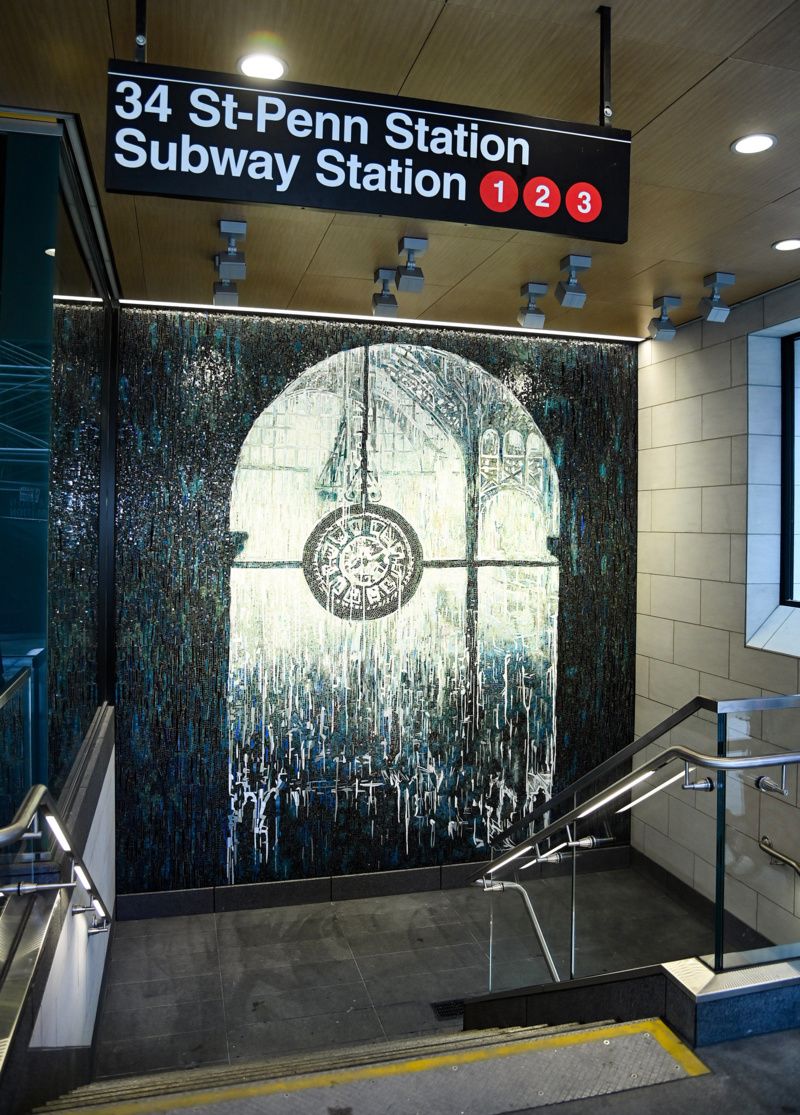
719 278
384 304
226 294
416 244
530 316
661 328
571 294
712 307
408 276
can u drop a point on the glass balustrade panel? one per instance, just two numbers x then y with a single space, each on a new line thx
762 830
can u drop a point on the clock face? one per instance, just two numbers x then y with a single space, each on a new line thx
363 563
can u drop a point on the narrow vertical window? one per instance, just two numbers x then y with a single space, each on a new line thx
790 471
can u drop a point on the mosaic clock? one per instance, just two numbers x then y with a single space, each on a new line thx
363 562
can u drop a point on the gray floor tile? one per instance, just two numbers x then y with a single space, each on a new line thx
161 992
297 1035
120 1058
165 1019
365 943
239 957
257 1002
290 981
281 978
191 939
128 969
150 927
421 961
288 923
400 987
399 1019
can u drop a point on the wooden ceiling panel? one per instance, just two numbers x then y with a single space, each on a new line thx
50 54
358 44
688 147
748 243
279 244
354 296
688 80
624 319
776 44
357 249
542 58
663 218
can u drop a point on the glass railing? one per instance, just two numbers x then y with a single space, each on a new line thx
16 711
659 854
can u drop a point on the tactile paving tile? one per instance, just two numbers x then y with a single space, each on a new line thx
480 1082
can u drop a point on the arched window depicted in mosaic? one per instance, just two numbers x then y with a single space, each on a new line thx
394 607
513 454
490 456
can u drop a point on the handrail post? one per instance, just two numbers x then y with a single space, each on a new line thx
572 927
719 890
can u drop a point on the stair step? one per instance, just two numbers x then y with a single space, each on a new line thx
130 1088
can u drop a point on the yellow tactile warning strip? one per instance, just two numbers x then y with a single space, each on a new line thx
672 1045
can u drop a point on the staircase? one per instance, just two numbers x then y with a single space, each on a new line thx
490 1072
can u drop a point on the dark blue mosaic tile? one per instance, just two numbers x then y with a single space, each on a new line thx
302 692
73 532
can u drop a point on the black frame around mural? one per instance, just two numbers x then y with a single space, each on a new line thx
172 808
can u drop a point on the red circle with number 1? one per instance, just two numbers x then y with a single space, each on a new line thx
499 192
584 202
542 196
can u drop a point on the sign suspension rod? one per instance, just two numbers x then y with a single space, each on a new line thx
140 54
606 111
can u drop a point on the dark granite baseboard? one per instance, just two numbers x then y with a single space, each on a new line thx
291 892
338 888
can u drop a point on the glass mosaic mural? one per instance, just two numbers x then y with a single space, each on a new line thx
393 614
374 589
73 527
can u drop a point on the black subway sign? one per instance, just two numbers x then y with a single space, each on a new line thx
191 134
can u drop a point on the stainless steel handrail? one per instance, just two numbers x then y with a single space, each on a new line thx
697 704
766 845
21 821
548 956
15 685
40 798
617 789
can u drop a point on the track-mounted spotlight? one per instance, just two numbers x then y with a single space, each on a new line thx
661 328
230 265
385 303
226 294
530 316
571 294
408 276
713 308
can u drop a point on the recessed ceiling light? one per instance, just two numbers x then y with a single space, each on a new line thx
752 144
49 251
786 245
267 66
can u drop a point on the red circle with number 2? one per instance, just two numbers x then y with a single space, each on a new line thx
584 202
499 192
542 196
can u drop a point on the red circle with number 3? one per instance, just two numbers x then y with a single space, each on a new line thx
542 197
499 192
584 202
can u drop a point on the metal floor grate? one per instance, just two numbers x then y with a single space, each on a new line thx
448 1008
